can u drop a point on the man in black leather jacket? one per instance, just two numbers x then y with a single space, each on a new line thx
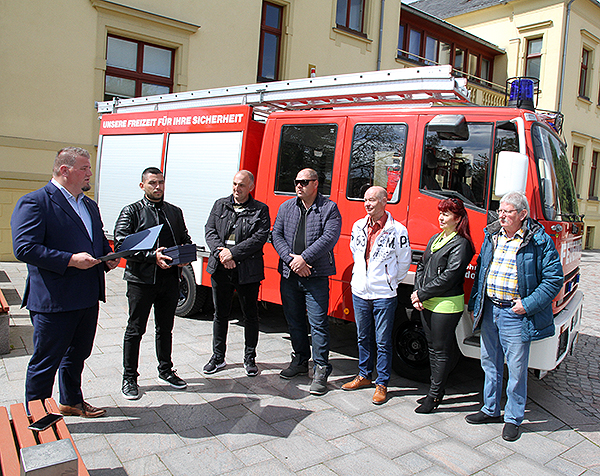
236 231
151 280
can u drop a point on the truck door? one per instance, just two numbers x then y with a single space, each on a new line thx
375 152
291 144
455 164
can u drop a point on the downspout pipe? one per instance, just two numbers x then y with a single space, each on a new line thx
564 56
379 46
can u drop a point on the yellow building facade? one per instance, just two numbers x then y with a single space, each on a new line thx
54 63
562 39
57 62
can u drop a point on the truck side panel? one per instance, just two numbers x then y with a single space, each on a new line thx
199 168
122 158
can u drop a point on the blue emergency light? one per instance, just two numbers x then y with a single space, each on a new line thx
521 93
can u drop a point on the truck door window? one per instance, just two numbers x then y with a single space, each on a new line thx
556 183
507 138
457 167
377 158
306 146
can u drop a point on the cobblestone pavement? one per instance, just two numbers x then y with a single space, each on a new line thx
577 380
232 424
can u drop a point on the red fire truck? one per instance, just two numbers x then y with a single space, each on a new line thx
412 131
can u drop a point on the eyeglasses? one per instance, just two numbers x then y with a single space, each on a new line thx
505 212
304 182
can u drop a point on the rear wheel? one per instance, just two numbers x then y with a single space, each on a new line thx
191 297
410 353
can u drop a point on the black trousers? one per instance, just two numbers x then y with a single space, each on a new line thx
440 332
163 296
224 282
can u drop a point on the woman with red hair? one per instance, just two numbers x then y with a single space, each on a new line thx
439 293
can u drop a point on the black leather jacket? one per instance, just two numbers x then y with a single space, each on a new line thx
141 267
251 233
442 274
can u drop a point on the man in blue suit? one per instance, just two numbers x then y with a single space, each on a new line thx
57 231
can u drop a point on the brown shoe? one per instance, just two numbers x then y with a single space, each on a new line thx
83 409
380 395
358 382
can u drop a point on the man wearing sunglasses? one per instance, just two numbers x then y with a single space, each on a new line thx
518 275
305 231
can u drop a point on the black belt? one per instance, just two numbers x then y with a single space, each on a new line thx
501 302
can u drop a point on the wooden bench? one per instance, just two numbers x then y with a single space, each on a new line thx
4 324
14 434
4 307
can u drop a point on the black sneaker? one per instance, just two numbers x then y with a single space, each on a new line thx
130 389
172 379
295 368
480 418
214 364
250 366
510 432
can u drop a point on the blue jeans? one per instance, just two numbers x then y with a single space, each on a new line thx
500 338
374 324
301 297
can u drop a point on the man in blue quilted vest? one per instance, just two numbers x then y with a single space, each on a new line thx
305 231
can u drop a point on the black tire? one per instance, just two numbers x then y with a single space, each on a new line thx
410 353
191 297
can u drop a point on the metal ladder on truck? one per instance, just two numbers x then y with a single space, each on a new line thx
407 86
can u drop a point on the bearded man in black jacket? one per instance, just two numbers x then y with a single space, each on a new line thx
151 280
236 231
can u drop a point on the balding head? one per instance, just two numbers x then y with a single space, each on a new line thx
375 202
243 184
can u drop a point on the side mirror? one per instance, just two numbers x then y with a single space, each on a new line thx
449 127
511 172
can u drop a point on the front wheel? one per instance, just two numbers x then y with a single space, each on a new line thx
191 296
410 353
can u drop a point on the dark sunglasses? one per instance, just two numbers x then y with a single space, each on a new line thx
304 183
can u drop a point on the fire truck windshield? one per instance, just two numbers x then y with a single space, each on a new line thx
556 183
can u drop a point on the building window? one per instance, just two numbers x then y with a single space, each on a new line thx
473 62
414 45
593 192
459 59
485 69
577 156
350 14
583 75
135 68
270 42
428 44
445 53
534 58
401 45
431 51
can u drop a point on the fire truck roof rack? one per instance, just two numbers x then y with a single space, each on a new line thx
407 85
